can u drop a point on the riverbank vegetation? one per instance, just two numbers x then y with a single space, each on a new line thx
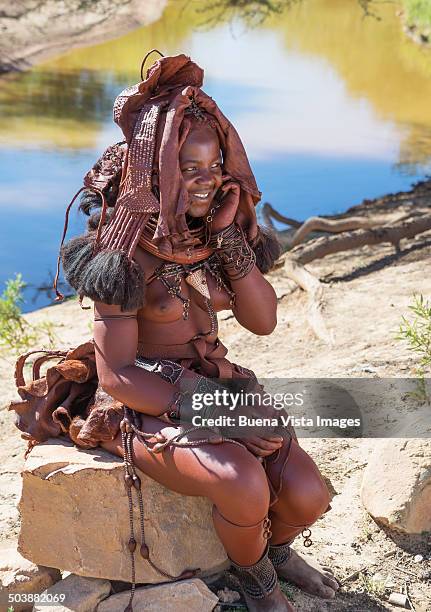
16 332
255 12
418 12
416 330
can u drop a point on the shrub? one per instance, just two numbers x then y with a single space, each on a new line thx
417 333
15 332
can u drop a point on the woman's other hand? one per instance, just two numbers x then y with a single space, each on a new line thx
262 446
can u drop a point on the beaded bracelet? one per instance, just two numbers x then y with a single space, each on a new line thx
235 253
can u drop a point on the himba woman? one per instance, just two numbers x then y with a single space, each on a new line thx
182 243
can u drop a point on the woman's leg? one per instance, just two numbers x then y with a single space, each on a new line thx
227 474
303 498
236 483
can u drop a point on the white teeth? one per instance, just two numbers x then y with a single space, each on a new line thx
201 195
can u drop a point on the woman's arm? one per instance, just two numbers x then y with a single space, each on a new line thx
255 303
116 340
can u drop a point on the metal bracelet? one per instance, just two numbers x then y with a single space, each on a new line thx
218 240
234 252
173 410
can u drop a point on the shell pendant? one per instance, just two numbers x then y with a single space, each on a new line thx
198 281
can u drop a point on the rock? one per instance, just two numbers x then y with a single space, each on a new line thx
187 595
399 599
74 516
80 595
396 487
19 576
32 31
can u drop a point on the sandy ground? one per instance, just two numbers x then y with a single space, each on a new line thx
366 293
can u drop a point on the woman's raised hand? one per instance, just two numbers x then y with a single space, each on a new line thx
225 214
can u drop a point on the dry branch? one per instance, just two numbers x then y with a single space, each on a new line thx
269 213
291 238
355 232
305 253
309 283
314 224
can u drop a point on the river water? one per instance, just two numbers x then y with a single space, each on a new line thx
333 107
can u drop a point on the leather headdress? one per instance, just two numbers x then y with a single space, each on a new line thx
153 117
152 112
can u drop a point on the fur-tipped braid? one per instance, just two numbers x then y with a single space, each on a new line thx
267 249
76 255
90 201
93 221
108 277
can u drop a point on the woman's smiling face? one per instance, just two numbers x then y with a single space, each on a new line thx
201 167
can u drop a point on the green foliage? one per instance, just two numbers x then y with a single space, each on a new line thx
252 12
286 587
373 587
15 332
418 12
417 333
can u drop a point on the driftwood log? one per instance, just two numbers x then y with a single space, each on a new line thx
290 238
393 233
351 232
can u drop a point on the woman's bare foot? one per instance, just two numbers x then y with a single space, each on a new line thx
308 576
275 602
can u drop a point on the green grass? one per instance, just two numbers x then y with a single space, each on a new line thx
286 587
372 587
418 12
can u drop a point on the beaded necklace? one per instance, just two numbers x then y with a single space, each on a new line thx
170 275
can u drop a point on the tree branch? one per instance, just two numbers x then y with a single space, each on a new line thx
394 233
